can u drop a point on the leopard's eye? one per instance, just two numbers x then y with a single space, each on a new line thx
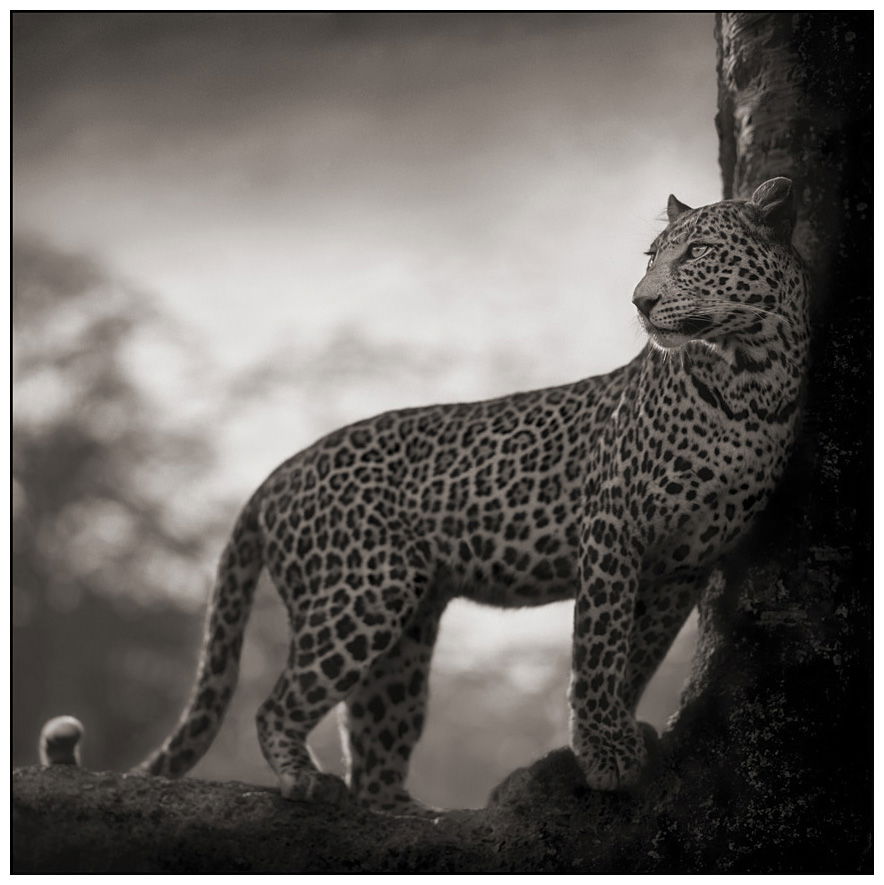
652 255
697 250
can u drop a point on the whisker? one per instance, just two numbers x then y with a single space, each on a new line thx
744 308
724 304
736 310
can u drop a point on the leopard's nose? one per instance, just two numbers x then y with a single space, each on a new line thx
644 303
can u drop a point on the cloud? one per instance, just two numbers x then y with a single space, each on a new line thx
42 274
169 76
423 178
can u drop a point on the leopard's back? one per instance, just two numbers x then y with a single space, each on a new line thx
488 492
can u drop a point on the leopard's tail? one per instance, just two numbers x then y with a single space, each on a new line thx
229 609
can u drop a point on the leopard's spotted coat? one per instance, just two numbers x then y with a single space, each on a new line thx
623 490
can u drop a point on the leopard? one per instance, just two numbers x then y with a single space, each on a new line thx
622 491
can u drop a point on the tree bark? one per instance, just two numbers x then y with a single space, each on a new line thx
768 766
785 696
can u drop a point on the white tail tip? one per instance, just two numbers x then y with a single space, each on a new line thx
59 741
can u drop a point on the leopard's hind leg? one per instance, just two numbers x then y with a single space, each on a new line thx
340 629
297 703
384 717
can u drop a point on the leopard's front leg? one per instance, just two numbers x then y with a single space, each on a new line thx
605 737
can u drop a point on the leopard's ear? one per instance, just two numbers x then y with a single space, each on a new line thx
774 202
675 207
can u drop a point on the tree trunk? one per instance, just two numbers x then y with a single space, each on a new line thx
768 767
783 709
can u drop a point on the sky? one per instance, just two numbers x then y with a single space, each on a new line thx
463 197
416 177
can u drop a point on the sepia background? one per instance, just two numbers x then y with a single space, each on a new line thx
236 232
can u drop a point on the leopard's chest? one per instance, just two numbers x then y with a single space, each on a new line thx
692 478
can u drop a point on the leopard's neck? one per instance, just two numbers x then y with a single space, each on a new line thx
761 377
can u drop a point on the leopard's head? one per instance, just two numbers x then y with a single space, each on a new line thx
724 272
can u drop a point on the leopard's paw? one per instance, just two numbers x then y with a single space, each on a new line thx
313 786
614 760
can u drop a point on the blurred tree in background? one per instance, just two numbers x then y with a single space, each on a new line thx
98 554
